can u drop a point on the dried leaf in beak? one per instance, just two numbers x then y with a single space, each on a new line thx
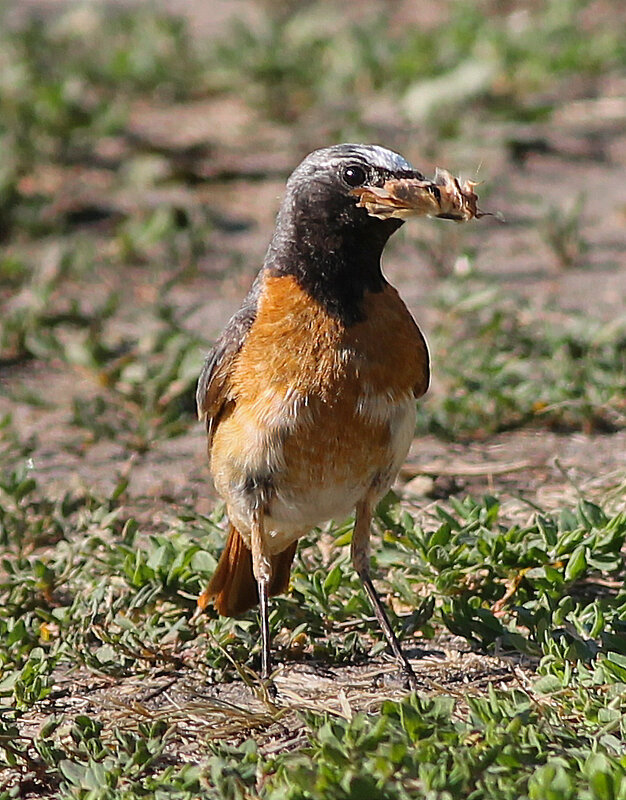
444 197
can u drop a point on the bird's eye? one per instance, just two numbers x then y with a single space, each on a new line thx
354 176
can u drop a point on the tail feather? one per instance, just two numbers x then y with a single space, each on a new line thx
233 587
281 570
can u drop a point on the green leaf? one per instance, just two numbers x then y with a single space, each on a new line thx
73 772
576 564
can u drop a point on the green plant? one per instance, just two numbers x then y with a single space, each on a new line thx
502 364
561 229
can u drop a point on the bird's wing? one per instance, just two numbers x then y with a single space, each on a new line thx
214 382
421 386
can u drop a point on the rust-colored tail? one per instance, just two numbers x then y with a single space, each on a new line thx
233 587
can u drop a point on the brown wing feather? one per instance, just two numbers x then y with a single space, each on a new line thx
421 387
214 384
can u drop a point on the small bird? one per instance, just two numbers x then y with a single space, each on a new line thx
309 393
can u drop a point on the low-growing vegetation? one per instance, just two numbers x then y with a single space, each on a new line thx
116 601
505 364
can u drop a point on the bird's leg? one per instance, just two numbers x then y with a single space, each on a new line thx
265 631
262 570
361 560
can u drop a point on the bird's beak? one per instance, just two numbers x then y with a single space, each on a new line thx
399 198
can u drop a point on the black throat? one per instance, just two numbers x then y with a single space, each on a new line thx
333 253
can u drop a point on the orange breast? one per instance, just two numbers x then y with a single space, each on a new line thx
294 344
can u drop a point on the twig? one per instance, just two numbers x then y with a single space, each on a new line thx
435 469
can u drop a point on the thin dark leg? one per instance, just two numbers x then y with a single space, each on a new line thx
265 631
263 573
385 625
361 561
266 658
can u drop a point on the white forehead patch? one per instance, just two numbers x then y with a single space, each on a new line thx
381 157
371 153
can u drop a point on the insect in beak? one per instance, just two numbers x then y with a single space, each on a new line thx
445 197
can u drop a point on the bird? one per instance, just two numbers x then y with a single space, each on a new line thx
309 394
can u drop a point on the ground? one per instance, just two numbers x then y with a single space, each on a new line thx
145 160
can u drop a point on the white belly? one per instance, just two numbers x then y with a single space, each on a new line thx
324 478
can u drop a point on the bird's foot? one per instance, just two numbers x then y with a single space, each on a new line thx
270 688
408 677
267 687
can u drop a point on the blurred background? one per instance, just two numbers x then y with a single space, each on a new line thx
143 152
144 149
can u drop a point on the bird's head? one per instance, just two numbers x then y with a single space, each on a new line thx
324 189
342 204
